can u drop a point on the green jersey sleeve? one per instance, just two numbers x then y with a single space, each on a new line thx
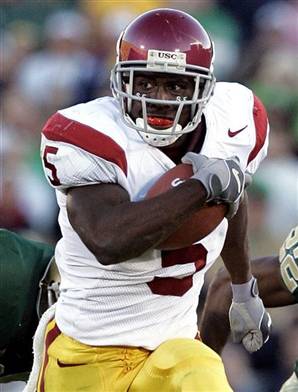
22 264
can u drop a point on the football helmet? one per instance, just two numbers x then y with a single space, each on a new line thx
163 41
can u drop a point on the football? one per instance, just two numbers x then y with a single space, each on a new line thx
200 224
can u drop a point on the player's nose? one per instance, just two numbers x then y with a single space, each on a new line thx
161 93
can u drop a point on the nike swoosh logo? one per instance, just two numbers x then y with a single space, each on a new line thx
232 134
236 175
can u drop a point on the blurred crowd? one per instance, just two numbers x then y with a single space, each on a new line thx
57 53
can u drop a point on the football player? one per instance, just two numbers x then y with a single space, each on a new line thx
278 284
26 273
126 315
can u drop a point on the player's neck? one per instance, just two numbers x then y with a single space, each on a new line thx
192 141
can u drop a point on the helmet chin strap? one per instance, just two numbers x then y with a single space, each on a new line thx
155 139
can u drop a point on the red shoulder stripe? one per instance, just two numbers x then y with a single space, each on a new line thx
261 123
62 129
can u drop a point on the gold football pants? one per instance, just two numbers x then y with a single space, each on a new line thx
176 365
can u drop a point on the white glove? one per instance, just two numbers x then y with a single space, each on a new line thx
249 321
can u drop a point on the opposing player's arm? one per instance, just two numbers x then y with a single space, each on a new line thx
272 289
214 323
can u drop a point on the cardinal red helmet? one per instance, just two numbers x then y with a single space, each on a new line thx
164 41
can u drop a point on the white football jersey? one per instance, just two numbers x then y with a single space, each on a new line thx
152 298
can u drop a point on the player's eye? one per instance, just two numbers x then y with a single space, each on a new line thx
180 88
143 86
176 86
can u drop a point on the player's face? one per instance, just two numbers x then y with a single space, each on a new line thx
163 87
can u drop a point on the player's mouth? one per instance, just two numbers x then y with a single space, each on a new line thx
160 122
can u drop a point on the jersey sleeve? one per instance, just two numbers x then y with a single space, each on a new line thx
74 154
261 125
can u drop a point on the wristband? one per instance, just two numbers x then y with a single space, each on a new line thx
245 291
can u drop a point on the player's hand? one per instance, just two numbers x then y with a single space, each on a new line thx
249 321
223 179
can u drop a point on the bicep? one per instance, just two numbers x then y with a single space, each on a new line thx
88 207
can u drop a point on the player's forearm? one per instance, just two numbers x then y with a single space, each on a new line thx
143 225
119 232
235 253
115 229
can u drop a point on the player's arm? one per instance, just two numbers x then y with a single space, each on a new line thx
214 324
116 229
235 253
249 322
278 285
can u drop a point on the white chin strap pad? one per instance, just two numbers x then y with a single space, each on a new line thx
153 138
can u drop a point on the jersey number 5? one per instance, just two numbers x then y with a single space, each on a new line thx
54 180
196 254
